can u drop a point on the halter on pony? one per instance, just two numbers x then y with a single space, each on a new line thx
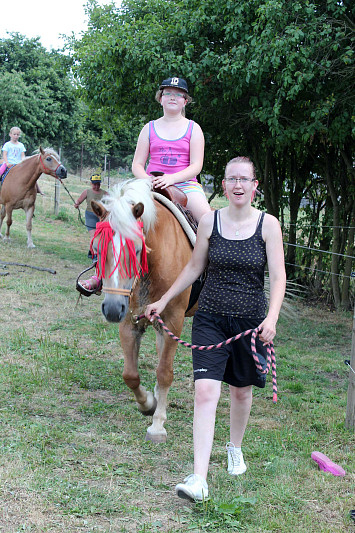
45 169
126 261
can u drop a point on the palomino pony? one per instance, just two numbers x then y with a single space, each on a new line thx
18 190
132 222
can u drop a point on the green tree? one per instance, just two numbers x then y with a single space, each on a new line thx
37 93
273 79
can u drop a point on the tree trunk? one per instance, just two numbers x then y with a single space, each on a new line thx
296 192
266 183
336 234
345 290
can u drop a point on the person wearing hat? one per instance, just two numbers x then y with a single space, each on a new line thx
174 146
95 193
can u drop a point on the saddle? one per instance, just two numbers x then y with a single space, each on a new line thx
4 172
178 198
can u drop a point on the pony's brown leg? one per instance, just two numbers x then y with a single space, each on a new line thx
166 348
2 216
8 223
130 338
29 216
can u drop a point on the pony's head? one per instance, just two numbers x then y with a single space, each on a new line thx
50 163
126 214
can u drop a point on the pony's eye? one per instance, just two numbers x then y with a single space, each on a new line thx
49 159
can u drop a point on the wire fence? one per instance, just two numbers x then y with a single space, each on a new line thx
312 269
76 185
302 225
318 250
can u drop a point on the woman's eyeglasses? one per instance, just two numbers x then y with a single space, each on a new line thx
243 180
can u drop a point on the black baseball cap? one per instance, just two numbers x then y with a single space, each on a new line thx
179 83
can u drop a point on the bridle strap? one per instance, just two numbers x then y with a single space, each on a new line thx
46 169
123 292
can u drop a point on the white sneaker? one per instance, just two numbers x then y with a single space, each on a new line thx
194 488
236 465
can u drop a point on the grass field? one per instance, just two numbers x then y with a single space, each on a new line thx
73 456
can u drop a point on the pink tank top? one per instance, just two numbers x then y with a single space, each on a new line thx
169 156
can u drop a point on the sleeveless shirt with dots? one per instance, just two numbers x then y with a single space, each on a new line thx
234 284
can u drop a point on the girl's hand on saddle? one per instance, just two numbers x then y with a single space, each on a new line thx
268 330
156 307
163 181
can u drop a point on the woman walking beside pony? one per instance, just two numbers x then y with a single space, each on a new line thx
235 242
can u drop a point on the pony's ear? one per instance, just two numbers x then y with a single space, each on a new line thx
99 210
138 209
41 150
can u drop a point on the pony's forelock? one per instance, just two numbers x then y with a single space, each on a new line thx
119 202
48 150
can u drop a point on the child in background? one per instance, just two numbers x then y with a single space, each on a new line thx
13 152
95 193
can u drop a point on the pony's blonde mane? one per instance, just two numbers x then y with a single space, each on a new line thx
119 202
48 150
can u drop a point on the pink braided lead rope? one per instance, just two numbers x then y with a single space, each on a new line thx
271 358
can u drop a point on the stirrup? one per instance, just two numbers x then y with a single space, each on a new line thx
83 290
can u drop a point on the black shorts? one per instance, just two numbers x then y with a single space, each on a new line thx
233 363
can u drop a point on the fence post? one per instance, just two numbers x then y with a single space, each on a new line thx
57 191
350 408
81 160
56 197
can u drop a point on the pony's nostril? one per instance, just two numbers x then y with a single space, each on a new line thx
113 312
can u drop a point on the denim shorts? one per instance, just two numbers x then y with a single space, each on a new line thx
91 220
233 363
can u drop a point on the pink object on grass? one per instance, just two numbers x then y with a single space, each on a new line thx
327 465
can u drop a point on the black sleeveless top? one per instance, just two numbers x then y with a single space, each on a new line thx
234 284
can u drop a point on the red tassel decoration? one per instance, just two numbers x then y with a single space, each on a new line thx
125 265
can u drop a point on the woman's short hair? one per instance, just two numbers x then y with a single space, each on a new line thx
241 159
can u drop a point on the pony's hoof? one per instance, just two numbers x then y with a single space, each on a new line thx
157 439
31 245
149 412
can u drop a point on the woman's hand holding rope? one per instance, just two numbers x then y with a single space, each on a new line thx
267 330
156 308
